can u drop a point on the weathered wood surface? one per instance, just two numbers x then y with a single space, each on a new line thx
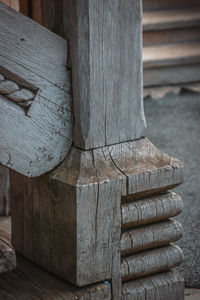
171 75
70 221
105 43
151 262
146 168
151 38
153 209
7 253
4 191
171 55
154 5
150 236
35 100
163 286
180 18
29 281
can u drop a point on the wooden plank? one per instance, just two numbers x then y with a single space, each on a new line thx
171 55
40 134
106 76
4 192
7 253
163 286
180 18
171 75
183 35
154 5
151 262
150 236
150 210
29 281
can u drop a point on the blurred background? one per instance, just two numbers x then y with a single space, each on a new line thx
171 60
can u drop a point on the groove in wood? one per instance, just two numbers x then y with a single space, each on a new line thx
163 286
18 94
150 236
150 210
151 262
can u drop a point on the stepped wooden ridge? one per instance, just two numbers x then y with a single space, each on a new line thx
171 39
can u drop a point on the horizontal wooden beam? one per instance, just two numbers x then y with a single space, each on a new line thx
35 95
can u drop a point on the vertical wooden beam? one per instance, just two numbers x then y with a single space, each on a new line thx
4 191
105 39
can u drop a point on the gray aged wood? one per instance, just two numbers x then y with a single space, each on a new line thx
29 281
150 236
106 57
155 208
7 253
163 286
69 221
145 167
35 100
151 262
4 191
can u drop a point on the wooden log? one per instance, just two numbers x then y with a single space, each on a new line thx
7 253
106 76
150 236
4 192
35 94
151 262
163 286
150 210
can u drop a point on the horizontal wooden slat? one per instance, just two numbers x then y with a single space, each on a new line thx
153 5
150 236
35 99
171 55
171 75
181 18
151 262
150 210
183 35
162 286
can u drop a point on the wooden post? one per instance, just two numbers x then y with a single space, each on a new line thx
86 220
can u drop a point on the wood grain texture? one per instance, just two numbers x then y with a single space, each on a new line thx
35 142
171 75
145 167
150 236
4 192
163 286
106 76
70 220
150 210
171 55
75 211
7 253
180 18
29 281
151 262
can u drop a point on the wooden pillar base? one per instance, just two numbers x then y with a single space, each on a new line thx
95 217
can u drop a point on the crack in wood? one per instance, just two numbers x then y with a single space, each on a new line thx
16 93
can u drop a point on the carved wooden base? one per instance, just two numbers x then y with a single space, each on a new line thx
103 214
